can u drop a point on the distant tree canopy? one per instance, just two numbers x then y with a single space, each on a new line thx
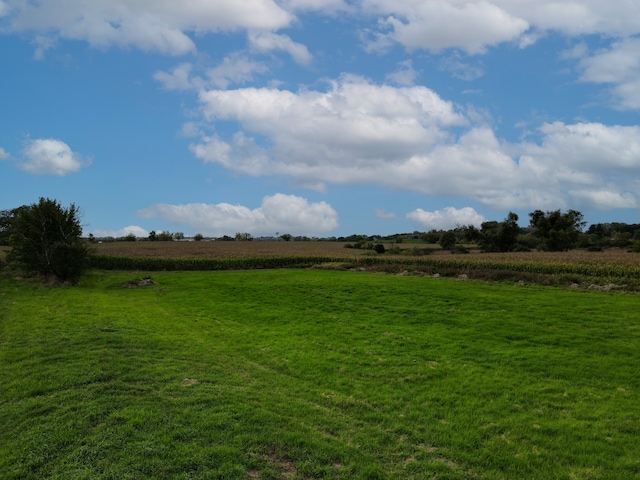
45 239
499 236
6 221
556 231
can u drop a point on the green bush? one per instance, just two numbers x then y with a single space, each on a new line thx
45 239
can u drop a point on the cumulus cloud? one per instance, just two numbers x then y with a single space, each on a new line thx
428 25
405 74
279 212
4 154
410 138
605 199
123 232
268 41
236 68
355 126
447 218
618 66
145 24
48 156
590 147
483 23
326 6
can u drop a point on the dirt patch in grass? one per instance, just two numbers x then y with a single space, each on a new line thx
138 283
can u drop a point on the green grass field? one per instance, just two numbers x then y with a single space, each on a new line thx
316 374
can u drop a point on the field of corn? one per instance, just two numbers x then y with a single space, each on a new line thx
610 267
615 266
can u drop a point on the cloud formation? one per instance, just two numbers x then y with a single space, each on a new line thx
149 25
171 27
618 66
480 24
4 154
48 156
278 213
410 138
447 218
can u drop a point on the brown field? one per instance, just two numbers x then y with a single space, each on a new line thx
614 256
224 249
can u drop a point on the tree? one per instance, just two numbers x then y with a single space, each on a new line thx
500 237
164 236
555 230
6 222
45 239
448 240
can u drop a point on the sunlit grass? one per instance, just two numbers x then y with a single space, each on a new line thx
316 374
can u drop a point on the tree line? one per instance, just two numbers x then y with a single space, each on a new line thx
46 237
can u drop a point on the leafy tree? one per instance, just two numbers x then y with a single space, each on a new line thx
286 237
500 236
244 237
555 230
6 221
448 240
153 236
198 237
164 236
45 239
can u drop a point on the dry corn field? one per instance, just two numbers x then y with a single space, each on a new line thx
611 264
220 249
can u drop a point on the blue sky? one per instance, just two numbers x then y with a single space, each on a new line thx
319 117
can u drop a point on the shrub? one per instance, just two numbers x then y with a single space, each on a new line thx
45 239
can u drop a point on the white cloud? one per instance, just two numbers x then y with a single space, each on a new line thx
405 75
4 155
284 213
605 199
403 138
149 25
123 232
4 9
236 68
447 218
437 25
616 18
619 65
385 215
460 69
267 42
352 125
474 25
48 156
592 147
178 79
325 6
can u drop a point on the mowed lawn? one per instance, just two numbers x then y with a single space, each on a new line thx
316 374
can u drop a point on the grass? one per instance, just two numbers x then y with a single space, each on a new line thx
316 374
